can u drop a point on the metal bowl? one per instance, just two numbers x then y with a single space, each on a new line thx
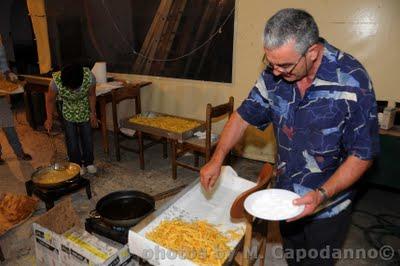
56 174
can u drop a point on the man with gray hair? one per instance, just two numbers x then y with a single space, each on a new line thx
6 116
322 106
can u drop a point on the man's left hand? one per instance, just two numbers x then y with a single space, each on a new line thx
311 201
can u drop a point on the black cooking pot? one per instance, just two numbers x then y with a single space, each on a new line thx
124 208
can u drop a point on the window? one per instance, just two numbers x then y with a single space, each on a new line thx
191 39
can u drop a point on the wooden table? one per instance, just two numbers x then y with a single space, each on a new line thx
172 137
38 84
394 131
34 84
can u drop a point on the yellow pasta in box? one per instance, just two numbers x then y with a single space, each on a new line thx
174 124
197 241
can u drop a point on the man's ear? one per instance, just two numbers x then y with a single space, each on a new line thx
313 52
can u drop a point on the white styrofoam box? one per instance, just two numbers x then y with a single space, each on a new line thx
193 204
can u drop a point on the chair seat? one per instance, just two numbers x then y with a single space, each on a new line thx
127 131
195 141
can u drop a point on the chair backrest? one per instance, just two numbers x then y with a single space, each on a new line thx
129 91
264 177
213 112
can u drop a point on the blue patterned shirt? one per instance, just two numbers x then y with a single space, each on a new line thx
337 117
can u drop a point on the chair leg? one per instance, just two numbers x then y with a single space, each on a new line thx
173 158
141 152
261 254
116 144
165 148
247 240
196 159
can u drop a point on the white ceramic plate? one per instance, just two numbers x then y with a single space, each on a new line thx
273 204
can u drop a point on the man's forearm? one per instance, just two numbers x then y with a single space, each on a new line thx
230 135
346 175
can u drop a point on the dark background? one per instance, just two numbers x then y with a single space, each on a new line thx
87 31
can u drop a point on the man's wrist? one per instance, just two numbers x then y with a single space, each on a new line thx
323 194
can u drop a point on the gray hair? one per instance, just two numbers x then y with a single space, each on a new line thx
288 25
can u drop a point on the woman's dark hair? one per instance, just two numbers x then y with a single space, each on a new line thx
72 76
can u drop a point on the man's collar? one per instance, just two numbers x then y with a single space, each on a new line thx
329 64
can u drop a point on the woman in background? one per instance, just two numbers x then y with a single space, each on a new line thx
75 86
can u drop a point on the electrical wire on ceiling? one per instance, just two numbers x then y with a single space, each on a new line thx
212 36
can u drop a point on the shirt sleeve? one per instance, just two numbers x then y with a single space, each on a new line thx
361 130
255 109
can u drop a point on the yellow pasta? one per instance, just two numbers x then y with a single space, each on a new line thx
234 234
198 241
7 85
55 176
174 124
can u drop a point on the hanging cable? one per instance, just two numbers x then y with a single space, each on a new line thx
218 31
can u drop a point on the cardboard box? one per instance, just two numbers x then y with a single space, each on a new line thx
61 240
79 247
386 119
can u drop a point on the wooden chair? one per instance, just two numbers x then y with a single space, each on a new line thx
203 147
238 212
131 91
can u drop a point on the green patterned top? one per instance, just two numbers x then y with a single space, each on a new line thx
75 106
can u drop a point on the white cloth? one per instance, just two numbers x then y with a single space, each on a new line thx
202 135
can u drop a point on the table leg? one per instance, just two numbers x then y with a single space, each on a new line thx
29 108
88 190
173 158
1 255
28 187
141 149
103 119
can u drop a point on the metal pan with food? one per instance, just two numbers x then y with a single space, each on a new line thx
56 175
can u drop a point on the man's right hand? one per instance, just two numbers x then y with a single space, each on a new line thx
209 174
48 124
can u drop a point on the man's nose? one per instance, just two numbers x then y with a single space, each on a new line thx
277 71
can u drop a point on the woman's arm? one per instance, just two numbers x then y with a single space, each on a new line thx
50 103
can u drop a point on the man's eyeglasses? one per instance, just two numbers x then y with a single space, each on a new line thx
284 68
